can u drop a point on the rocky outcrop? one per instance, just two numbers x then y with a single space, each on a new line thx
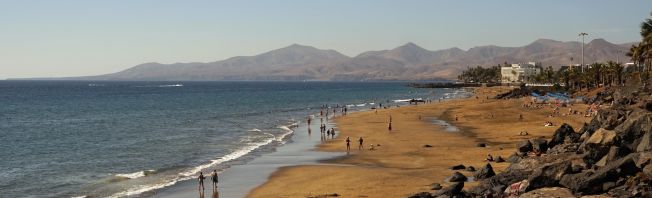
486 172
455 189
458 167
609 156
563 133
457 177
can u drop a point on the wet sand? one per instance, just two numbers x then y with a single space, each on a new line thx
401 165
238 180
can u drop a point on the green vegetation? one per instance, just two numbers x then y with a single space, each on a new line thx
481 75
641 54
594 75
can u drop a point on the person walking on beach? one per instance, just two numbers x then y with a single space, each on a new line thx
309 120
214 179
360 147
201 181
389 126
333 132
348 144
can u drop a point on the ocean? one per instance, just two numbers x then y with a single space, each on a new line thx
104 139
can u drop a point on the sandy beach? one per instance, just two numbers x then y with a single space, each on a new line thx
402 165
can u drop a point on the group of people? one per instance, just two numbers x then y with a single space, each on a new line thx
201 179
360 144
324 110
329 132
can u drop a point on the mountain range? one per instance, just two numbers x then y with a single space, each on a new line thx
406 62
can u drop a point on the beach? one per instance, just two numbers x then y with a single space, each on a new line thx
420 148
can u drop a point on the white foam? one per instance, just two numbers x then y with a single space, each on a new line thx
287 130
193 171
170 85
135 175
144 188
231 156
361 105
173 85
255 130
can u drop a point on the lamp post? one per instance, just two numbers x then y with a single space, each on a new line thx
582 34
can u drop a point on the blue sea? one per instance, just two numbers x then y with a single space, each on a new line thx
104 139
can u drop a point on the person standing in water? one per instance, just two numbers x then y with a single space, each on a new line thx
360 147
348 144
201 181
214 179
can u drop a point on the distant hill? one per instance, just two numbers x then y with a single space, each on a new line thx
406 62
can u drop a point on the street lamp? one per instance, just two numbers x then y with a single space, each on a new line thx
582 34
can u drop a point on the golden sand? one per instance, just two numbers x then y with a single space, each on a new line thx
401 165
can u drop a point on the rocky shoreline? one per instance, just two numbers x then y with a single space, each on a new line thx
610 156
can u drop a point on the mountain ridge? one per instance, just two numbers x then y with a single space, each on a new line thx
406 62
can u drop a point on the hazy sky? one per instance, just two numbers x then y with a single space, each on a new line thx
83 37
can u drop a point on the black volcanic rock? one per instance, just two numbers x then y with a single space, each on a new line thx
485 172
457 177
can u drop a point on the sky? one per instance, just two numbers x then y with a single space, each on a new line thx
40 38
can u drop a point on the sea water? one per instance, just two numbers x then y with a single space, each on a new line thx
74 138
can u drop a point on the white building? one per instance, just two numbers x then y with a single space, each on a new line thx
519 72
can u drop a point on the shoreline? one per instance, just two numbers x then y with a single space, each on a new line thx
402 165
239 179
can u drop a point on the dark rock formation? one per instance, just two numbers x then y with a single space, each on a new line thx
548 174
540 145
565 132
524 146
457 177
611 155
422 195
484 173
455 189
458 167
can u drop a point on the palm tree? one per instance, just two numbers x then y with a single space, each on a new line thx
618 71
573 78
646 27
634 54
645 50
